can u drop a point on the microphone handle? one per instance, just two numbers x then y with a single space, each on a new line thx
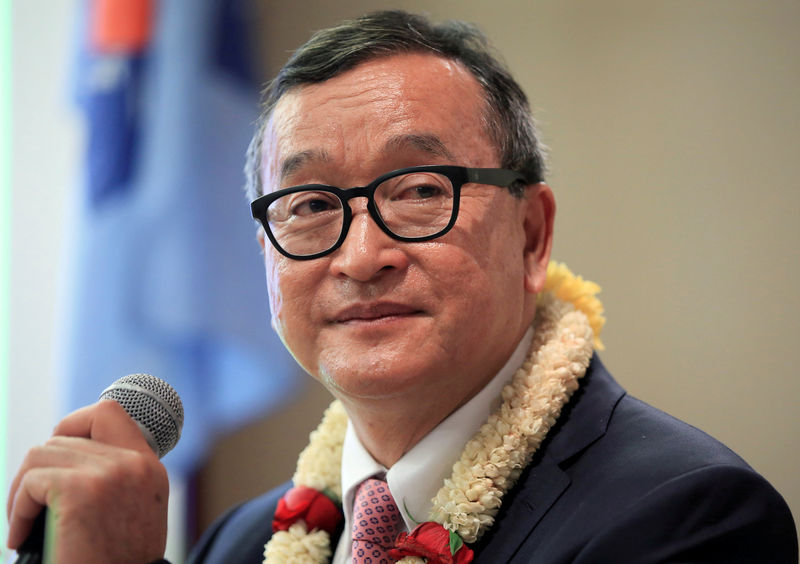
30 551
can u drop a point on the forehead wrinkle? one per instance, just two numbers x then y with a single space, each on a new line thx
427 143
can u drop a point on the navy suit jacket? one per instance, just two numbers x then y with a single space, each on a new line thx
615 480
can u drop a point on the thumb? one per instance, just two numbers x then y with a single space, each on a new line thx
105 421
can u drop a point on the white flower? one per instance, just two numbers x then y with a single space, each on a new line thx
505 444
298 546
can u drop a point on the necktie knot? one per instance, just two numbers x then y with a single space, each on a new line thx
376 523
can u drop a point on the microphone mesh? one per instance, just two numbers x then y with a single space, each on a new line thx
154 405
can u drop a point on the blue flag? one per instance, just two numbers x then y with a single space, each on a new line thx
167 273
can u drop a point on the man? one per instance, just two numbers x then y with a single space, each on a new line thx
414 300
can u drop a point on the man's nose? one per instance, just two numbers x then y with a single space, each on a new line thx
367 252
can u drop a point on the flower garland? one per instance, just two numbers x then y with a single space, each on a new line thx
568 287
568 321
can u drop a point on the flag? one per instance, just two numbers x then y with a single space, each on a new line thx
167 277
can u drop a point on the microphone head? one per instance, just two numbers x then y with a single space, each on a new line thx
154 405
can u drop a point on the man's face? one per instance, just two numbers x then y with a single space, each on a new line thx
379 318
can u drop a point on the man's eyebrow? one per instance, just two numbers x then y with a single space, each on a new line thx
294 162
425 142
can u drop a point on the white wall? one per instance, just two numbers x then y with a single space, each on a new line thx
45 148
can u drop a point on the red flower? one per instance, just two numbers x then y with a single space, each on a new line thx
313 507
432 541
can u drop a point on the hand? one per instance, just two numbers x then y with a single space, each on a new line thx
105 490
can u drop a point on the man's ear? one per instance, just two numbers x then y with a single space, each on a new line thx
540 212
261 236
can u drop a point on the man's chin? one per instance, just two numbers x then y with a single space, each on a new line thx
367 383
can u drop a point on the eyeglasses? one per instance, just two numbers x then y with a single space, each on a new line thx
411 204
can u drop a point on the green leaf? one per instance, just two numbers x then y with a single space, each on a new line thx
405 508
328 492
455 542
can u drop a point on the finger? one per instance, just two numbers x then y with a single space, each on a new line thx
58 452
37 456
27 503
105 421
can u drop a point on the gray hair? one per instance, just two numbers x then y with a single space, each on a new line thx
332 51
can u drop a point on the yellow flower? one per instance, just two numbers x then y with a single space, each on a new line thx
581 293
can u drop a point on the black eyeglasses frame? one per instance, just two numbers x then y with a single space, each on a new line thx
458 176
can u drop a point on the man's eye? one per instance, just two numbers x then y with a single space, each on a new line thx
418 188
420 192
312 204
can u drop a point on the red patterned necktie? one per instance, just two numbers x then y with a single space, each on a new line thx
376 523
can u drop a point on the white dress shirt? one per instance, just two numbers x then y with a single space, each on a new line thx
415 479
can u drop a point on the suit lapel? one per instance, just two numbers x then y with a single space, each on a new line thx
525 504
583 421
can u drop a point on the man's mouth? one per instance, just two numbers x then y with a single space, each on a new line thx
374 312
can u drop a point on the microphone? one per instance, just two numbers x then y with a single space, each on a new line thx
154 405
157 410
